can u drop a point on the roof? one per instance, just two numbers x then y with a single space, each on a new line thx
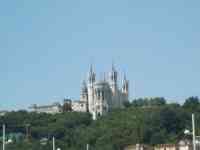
184 142
166 145
45 106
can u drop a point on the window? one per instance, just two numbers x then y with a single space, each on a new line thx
103 95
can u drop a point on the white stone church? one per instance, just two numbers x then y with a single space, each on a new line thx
101 96
97 96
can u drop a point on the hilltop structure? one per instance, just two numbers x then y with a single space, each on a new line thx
97 96
101 96
49 109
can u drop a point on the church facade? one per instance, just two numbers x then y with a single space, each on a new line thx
101 96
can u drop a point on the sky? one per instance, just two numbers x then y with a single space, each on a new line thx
46 48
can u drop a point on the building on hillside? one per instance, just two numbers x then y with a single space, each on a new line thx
49 109
101 96
79 106
3 112
181 145
97 96
67 105
185 145
166 147
139 147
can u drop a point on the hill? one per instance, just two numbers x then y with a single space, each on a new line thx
149 121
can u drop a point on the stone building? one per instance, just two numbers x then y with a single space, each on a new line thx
3 112
96 97
166 147
79 106
185 145
101 96
181 145
139 147
49 109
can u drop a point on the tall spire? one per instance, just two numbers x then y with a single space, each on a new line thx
84 87
104 76
124 76
113 65
84 92
125 85
91 68
113 74
91 76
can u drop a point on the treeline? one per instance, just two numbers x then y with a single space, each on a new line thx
149 121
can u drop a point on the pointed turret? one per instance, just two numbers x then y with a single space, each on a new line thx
91 76
90 87
84 87
84 92
113 75
113 79
125 86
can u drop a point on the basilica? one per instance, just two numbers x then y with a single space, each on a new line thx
96 97
101 96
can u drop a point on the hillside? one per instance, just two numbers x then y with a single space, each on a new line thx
148 121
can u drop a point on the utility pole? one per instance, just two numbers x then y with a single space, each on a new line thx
27 126
4 132
53 143
193 132
87 147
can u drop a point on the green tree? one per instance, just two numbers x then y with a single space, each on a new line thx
192 104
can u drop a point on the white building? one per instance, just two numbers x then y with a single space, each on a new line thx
99 97
49 109
185 145
79 106
3 112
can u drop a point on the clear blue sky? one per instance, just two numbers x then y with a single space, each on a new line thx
46 47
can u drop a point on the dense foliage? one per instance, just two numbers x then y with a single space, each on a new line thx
149 121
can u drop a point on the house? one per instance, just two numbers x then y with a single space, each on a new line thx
49 109
166 147
185 145
138 147
3 112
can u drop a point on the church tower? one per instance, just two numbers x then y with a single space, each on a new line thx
91 76
91 81
113 80
125 87
84 94
102 96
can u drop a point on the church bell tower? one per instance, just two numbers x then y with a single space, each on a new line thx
91 81
113 80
